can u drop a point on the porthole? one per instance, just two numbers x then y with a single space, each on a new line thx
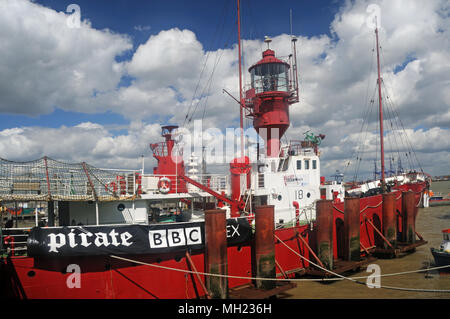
31 273
120 207
308 195
279 197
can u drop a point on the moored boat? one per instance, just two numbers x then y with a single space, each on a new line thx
438 199
442 254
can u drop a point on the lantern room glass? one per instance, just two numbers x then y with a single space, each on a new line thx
270 77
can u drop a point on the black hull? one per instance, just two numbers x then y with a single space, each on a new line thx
441 258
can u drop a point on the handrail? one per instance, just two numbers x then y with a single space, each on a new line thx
216 182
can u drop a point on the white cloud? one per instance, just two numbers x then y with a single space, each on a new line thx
336 76
46 65
86 142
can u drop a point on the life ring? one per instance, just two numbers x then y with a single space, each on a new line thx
164 185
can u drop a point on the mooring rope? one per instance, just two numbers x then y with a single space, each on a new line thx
196 272
295 279
420 200
359 282
362 210
367 207
340 211
275 279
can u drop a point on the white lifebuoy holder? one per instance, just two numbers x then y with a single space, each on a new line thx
164 185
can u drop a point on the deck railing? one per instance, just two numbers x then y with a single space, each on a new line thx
14 241
217 182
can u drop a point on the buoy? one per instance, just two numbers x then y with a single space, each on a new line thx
164 185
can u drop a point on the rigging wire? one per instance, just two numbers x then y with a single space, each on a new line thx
206 90
365 112
340 277
250 25
396 140
253 25
390 137
388 104
215 36
216 63
394 130
207 86
408 142
378 148
363 137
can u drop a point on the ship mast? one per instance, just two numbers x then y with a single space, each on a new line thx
241 104
383 186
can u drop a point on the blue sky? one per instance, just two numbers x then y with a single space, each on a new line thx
141 19
312 17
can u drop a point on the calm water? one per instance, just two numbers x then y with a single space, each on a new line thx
430 221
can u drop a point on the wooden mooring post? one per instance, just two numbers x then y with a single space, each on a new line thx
324 218
352 251
263 250
408 220
407 241
265 246
216 253
351 259
389 220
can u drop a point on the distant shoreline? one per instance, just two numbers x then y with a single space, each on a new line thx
440 180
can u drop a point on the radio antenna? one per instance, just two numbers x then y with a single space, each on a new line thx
290 16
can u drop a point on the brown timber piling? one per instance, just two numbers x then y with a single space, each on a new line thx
216 253
352 250
408 220
265 246
389 220
324 218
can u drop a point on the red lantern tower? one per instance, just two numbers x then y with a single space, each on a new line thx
274 86
170 160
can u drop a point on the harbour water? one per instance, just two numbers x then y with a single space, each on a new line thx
429 223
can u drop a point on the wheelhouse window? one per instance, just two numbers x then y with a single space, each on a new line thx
314 164
306 164
299 164
270 77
